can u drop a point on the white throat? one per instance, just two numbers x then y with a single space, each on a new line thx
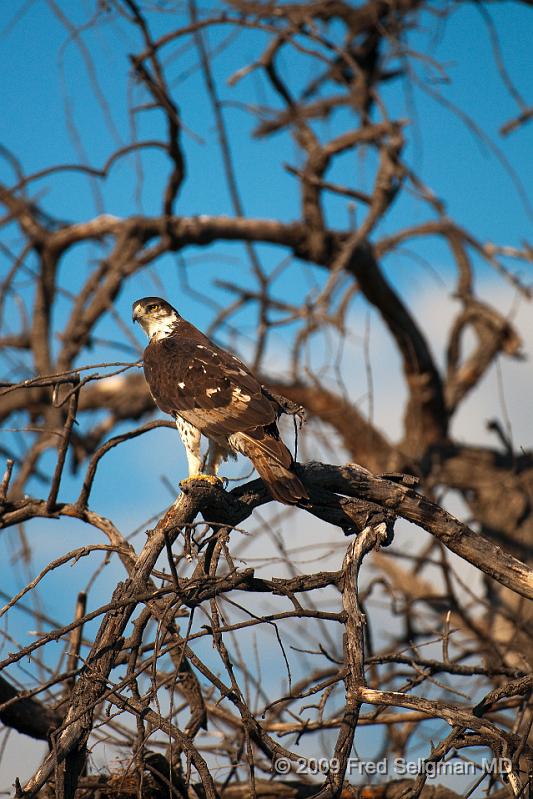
157 329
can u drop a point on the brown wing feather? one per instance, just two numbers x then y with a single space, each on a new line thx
191 377
270 444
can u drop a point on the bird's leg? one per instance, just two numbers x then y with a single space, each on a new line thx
194 461
215 455
191 437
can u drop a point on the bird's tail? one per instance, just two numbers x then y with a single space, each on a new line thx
273 462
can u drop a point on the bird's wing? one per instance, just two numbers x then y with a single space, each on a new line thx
210 388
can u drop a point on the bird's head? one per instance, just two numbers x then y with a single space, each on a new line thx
156 316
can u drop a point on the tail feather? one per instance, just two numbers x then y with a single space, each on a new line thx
282 483
273 462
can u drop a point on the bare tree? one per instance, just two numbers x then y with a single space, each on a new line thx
299 667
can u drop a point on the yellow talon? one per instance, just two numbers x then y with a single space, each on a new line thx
210 478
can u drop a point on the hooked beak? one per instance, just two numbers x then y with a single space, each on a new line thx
136 314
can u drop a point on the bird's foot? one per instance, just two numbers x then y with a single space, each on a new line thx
210 478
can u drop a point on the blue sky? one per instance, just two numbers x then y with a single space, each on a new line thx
44 71
47 80
44 75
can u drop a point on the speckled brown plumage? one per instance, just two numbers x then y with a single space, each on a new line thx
193 380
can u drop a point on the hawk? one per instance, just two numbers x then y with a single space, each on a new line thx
210 392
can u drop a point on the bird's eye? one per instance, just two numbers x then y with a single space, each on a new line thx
152 308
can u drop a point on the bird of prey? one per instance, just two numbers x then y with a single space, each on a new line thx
211 392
